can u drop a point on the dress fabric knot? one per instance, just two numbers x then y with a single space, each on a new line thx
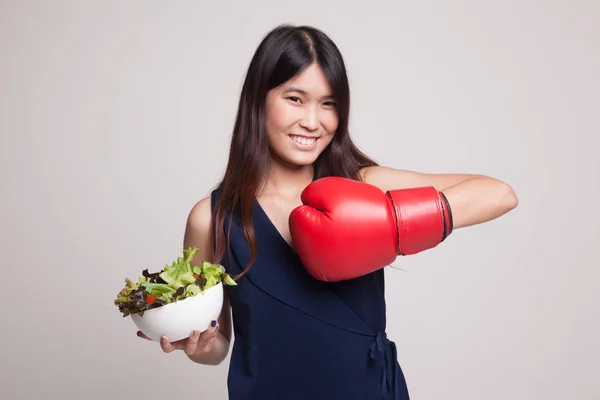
384 351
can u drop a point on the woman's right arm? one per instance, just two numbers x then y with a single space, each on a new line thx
212 345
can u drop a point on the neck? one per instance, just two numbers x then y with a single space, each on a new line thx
285 181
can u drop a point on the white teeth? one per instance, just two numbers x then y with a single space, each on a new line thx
302 140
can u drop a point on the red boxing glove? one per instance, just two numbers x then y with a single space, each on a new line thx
347 228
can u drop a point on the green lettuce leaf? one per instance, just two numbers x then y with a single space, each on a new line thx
178 274
228 280
192 290
158 289
175 282
211 274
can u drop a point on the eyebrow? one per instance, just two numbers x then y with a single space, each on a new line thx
295 89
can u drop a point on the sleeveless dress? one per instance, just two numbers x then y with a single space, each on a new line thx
297 338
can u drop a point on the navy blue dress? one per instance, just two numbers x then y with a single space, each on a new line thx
297 338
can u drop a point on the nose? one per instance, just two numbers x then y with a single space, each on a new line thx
310 119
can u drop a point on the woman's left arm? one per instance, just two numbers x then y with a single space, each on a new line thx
474 199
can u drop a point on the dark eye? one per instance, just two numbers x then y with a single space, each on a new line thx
330 104
294 99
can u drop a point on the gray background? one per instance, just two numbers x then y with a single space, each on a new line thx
115 119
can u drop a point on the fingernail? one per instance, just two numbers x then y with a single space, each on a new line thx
163 340
196 334
213 323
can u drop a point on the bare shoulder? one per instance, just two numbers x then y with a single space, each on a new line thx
201 212
198 229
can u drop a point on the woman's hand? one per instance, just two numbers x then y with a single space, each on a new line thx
197 343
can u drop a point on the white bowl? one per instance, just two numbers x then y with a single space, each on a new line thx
177 320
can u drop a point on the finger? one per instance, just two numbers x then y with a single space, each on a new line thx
202 343
209 335
141 334
192 343
166 345
210 332
213 327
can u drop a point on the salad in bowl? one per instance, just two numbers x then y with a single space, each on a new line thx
176 300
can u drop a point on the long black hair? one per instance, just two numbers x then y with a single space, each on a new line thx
283 53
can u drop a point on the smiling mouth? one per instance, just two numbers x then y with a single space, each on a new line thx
303 140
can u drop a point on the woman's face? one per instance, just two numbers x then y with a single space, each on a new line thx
301 118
